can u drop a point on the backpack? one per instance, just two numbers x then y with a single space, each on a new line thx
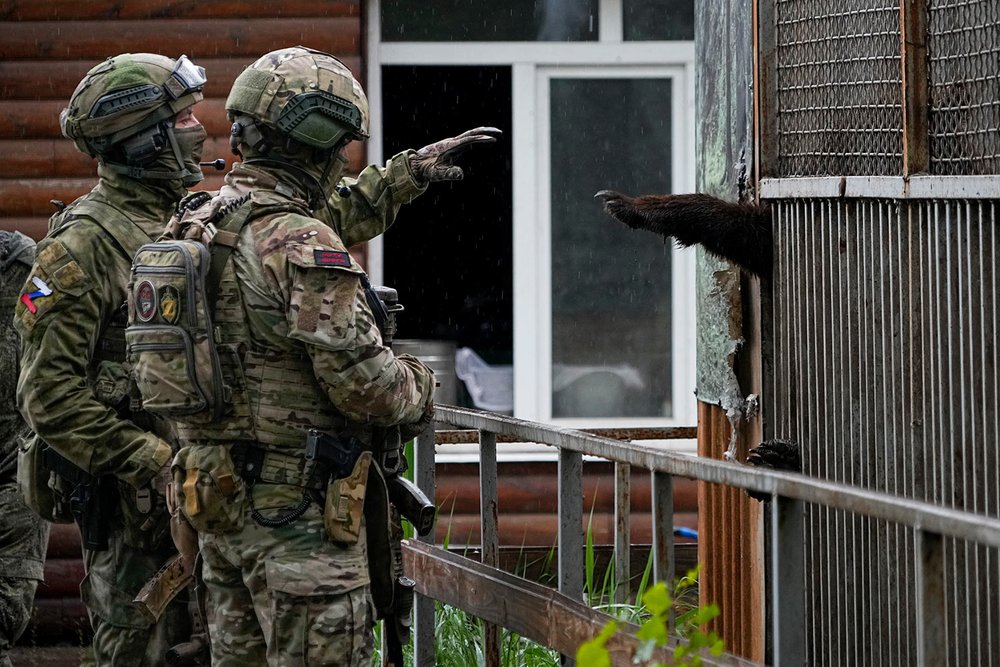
172 292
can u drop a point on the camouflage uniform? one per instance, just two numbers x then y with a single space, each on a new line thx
74 385
288 594
292 307
23 535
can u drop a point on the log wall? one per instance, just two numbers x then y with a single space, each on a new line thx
47 46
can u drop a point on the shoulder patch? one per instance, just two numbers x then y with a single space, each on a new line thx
331 258
313 255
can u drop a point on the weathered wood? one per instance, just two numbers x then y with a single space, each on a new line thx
57 79
533 611
67 10
44 40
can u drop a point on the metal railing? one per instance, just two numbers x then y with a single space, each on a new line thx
790 493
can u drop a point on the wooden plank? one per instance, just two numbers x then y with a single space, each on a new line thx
533 611
66 10
57 79
94 41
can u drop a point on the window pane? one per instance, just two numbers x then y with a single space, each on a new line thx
658 19
485 21
610 285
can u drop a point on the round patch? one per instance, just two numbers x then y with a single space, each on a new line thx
170 304
145 301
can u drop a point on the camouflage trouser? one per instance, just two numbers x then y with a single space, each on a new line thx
286 596
122 636
23 539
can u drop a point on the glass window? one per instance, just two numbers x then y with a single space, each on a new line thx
484 21
645 20
611 304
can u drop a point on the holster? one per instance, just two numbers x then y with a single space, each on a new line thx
345 499
35 482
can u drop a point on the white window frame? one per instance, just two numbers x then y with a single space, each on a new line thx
533 65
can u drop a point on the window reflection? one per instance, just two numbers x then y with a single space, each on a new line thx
611 327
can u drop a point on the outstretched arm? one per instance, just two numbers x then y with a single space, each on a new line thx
740 233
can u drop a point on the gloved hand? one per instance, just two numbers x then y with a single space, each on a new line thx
410 431
436 162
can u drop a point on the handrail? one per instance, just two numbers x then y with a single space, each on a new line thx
914 513
789 494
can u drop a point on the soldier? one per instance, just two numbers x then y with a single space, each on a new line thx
278 512
134 114
23 534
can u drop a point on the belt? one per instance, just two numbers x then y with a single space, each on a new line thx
257 464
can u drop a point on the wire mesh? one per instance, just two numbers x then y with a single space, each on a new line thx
886 371
839 90
964 89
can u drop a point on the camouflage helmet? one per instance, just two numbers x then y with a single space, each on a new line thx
306 95
127 94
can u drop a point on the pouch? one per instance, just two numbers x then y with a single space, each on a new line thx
36 484
345 503
145 518
207 489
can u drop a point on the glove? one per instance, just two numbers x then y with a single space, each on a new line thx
410 431
436 162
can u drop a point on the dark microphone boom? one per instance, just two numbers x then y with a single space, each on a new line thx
218 163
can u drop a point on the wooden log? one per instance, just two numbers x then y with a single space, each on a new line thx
57 79
62 578
38 158
537 493
32 197
64 540
33 227
23 119
65 618
66 40
540 529
68 10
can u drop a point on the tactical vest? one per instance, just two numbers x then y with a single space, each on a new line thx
269 394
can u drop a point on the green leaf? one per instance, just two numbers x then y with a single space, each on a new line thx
657 599
653 630
590 654
705 614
